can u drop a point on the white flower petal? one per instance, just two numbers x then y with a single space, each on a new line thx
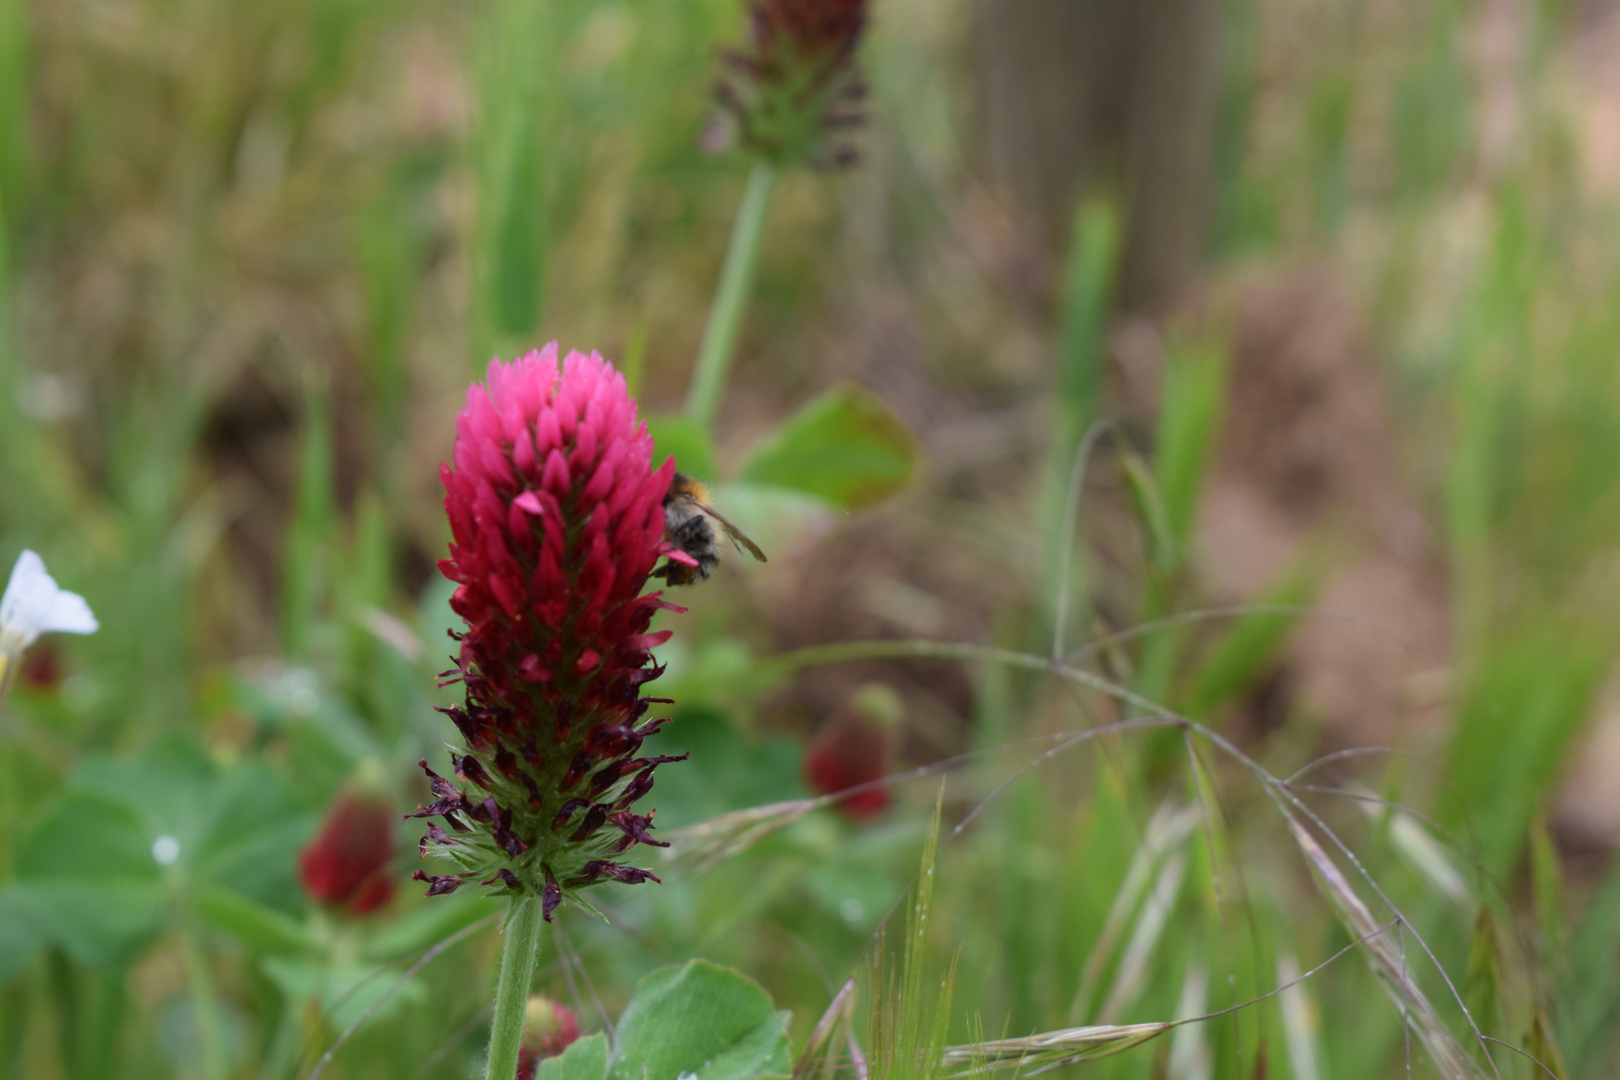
33 605
28 578
70 614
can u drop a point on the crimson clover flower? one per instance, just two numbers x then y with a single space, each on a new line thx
795 85
347 864
557 521
853 749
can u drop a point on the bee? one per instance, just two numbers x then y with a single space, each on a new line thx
687 525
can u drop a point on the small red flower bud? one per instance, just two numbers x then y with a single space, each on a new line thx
548 1029
347 864
853 749
557 522
41 670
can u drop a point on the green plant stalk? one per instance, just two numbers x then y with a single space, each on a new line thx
282 1055
731 298
205 1007
518 953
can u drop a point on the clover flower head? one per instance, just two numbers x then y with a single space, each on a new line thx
557 522
347 864
795 86
548 1029
853 750
33 605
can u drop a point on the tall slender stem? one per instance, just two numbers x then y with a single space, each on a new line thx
282 1055
518 952
731 298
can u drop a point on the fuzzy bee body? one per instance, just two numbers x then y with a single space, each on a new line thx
689 527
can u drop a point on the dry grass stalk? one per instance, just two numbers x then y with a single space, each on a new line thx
708 843
1034 1054
1389 965
819 1061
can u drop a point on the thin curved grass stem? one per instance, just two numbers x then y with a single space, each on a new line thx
422 961
1276 789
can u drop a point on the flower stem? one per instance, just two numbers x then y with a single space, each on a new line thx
283 1053
518 952
731 298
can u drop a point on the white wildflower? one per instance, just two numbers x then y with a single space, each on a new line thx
33 605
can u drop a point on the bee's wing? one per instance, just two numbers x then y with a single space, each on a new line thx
738 537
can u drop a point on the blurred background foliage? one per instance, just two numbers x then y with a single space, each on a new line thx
1344 279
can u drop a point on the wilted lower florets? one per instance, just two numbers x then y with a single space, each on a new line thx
557 521
795 86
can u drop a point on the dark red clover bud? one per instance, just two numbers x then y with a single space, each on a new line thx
548 1030
347 865
854 749
789 94
41 670
557 522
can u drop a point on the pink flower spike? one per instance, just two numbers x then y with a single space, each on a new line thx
556 519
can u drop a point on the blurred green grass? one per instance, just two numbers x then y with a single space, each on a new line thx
251 256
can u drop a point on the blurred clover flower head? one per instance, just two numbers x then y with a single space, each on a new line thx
557 520
795 87
548 1030
346 865
34 605
853 750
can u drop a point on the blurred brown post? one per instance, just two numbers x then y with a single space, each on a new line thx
1080 96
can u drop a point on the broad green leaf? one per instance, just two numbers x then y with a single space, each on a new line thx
88 873
703 1019
686 440
87 880
844 447
585 1059
260 928
88 837
99 924
252 835
237 827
